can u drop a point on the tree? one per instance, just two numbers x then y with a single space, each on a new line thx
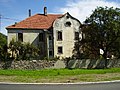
102 31
29 51
23 51
3 47
12 48
3 40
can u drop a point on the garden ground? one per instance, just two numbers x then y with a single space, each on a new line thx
59 75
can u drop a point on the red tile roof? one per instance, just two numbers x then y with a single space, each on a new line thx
38 21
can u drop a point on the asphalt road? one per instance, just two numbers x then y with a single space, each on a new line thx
105 86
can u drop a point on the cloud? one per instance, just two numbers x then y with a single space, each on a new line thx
83 8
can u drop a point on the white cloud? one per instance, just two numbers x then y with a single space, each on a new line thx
83 8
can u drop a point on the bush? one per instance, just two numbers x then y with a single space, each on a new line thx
23 51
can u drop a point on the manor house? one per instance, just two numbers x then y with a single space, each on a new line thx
54 34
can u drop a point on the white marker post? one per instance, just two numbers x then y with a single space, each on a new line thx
101 52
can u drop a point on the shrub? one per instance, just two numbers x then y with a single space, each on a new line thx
23 51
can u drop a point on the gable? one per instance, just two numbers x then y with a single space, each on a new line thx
66 21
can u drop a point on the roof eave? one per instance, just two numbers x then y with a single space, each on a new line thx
10 28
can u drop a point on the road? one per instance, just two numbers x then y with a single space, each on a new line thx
105 86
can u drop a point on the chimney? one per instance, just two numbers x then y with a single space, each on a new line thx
29 12
45 10
15 23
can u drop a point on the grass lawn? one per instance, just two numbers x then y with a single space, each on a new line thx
59 75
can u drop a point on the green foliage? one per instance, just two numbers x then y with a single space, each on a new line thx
3 47
23 51
102 31
3 40
50 59
55 58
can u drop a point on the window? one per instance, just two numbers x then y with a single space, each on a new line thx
20 37
60 51
76 35
67 17
50 37
59 35
50 53
41 37
68 24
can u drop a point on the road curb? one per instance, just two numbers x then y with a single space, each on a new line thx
78 83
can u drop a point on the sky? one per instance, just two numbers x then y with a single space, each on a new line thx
12 11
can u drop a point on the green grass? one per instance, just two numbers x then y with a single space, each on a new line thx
59 75
57 72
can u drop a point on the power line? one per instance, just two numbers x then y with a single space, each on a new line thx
11 19
2 17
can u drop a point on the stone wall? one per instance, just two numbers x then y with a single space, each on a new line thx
88 63
44 64
27 65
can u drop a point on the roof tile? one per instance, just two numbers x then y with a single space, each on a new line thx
38 21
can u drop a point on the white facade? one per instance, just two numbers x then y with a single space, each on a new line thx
68 26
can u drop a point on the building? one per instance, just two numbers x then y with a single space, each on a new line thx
54 34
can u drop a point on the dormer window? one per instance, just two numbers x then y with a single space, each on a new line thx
68 24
